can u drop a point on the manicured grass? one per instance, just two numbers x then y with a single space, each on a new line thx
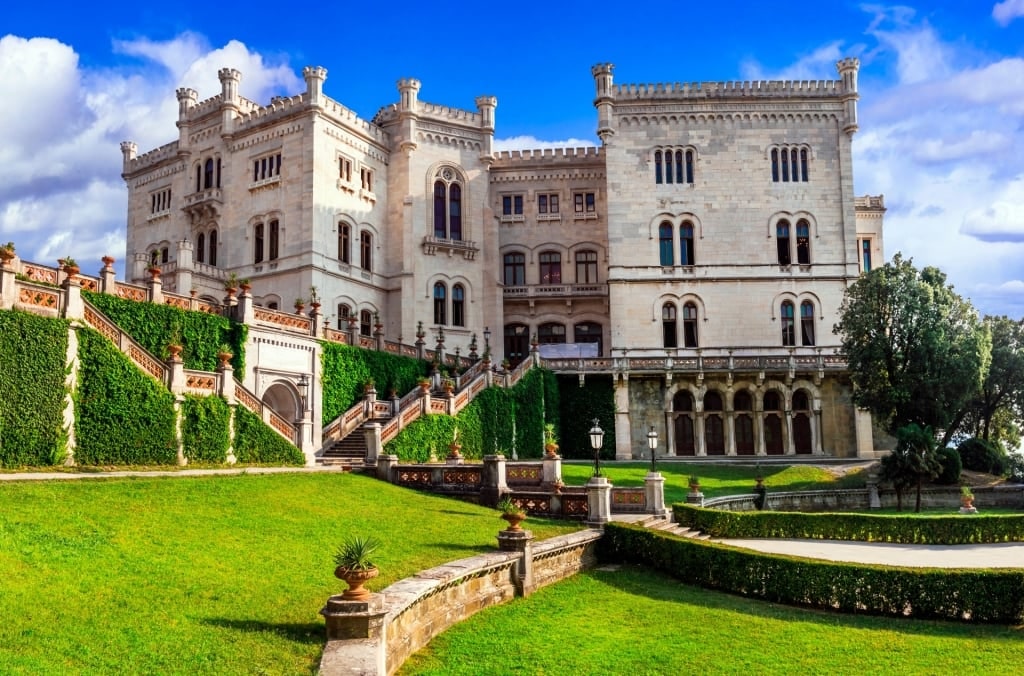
635 621
715 480
222 574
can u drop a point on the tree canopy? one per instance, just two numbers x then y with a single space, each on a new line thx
916 350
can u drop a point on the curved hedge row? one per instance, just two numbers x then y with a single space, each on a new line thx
975 595
936 530
346 370
33 351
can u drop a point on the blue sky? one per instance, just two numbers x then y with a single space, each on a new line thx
942 96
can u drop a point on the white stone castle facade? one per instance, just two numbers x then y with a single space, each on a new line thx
699 255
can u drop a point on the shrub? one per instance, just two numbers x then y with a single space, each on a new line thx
979 455
204 428
347 369
256 443
949 458
1016 467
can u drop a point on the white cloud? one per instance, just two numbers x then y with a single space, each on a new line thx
818 65
534 143
1008 10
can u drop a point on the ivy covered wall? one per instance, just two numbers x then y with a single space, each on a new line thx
154 326
347 369
579 406
32 356
205 429
123 416
256 443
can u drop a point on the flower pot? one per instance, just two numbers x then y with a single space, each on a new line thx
6 255
355 580
174 351
224 358
551 449
71 270
514 519
154 272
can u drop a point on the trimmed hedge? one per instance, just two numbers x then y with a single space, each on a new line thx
124 417
204 428
346 370
154 326
33 352
975 595
935 530
257 443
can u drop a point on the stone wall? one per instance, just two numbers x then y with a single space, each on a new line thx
859 499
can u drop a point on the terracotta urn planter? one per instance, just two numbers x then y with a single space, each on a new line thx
174 351
454 450
108 261
6 255
551 450
153 271
224 357
355 580
245 287
514 519
299 307
71 270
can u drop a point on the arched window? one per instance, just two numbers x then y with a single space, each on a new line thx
275 238
665 244
668 326
365 322
772 423
807 323
803 164
218 172
686 243
165 255
344 242
213 248
208 174
551 333
199 177
517 337
550 267
344 311
366 250
515 269
800 401
772 401
743 423
788 329
657 167
682 407
782 242
458 305
440 302
447 205
802 441
154 257
689 166
690 325
714 429
257 238
586 267
201 248
803 242
588 332
775 165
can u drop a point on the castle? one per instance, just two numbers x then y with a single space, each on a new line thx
698 256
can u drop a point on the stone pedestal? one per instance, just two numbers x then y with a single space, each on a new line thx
551 470
355 636
874 502
654 492
599 501
493 484
374 447
386 465
695 497
519 541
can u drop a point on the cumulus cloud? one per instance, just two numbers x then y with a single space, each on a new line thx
61 124
1008 10
820 64
534 143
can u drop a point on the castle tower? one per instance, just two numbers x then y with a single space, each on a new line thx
408 105
129 150
848 72
485 105
314 76
229 79
605 100
187 99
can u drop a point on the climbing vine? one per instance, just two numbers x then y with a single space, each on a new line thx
579 407
124 417
32 356
154 326
256 443
347 369
204 429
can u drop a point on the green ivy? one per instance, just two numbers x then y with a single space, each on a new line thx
33 352
257 443
204 429
124 417
154 326
579 407
347 369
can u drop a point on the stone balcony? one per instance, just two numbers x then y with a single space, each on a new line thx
204 204
462 247
534 291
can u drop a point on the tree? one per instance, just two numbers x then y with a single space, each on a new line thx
914 460
994 413
916 350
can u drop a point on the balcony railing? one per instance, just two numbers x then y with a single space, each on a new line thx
736 359
464 247
555 290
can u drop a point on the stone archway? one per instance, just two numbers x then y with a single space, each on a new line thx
283 399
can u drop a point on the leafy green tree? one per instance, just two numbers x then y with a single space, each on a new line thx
916 350
994 414
914 460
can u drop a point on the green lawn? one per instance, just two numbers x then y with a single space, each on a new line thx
634 621
204 575
715 480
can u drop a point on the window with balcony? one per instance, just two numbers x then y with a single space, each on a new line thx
440 303
201 248
803 242
788 328
588 332
212 258
585 205
366 250
515 269
344 311
458 305
447 205
690 325
550 267
547 206
665 245
208 173
511 208
344 242
669 331
807 323
586 267
365 322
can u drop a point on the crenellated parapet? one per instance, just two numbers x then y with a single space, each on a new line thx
746 88
554 155
133 163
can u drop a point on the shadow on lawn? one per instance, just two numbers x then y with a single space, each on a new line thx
311 633
642 581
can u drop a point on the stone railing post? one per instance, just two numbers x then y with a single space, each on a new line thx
175 374
654 493
492 480
74 307
599 501
156 290
551 470
374 448
8 284
316 318
520 541
245 309
227 382
108 276
386 465
360 625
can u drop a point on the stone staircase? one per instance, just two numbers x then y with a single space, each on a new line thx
668 526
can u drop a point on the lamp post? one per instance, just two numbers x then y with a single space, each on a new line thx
652 443
487 342
303 391
596 441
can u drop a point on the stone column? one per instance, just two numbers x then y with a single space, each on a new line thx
359 627
551 470
74 306
108 281
386 464
730 433
654 492
599 501
698 432
374 447
623 442
519 541
8 285
789 446
492 481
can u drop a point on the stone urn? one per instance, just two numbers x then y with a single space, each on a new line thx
514 519
355 579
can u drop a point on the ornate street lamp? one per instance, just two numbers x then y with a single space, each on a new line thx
487 342
652 443
596 441
303 390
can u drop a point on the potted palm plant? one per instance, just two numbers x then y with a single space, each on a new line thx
550 440
511 512
354 565
7 252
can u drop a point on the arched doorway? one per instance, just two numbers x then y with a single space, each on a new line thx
743 422
773 443
283 399
517 347
682 409
802 422
714 428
